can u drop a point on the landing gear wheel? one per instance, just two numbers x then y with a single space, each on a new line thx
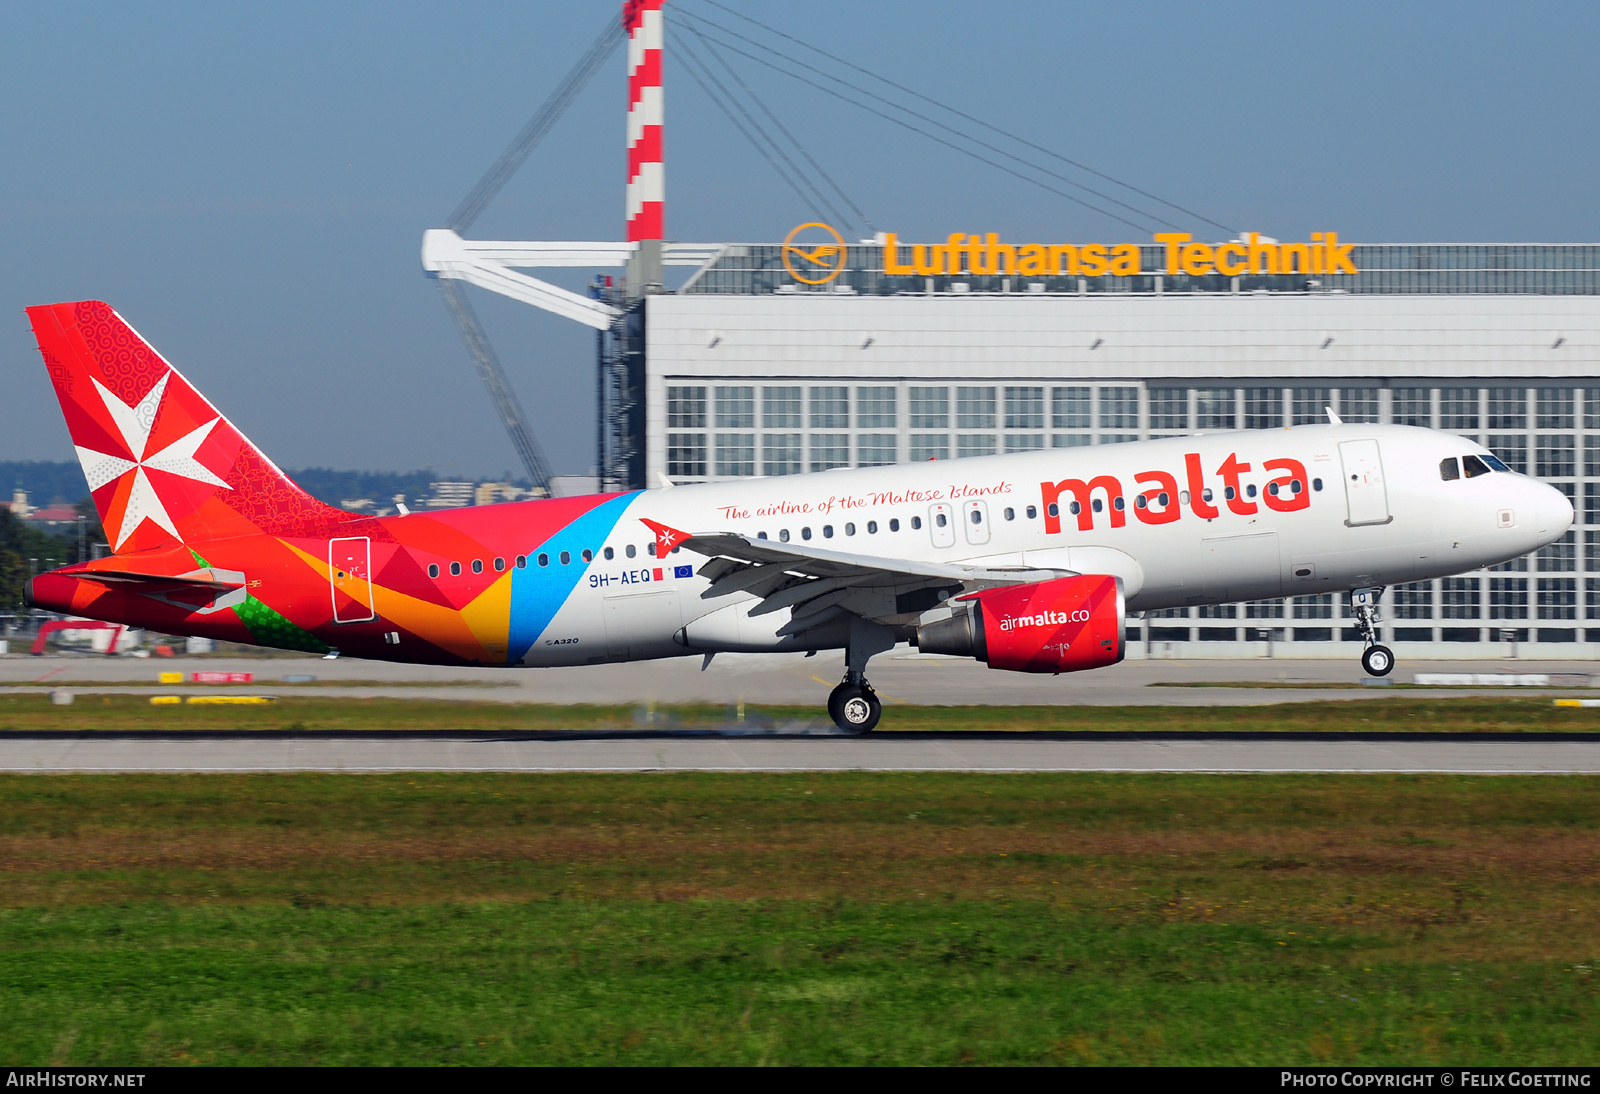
855 708
1378 660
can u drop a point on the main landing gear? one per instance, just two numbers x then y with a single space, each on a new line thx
1377 660
853 705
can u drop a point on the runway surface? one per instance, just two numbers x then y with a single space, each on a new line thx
900 676
1478 754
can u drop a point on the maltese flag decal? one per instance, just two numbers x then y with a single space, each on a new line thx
666 538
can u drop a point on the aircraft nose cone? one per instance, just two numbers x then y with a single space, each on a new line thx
1554 513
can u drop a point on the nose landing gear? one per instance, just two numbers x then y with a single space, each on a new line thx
1377 660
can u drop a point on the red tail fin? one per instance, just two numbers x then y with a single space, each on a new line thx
163 465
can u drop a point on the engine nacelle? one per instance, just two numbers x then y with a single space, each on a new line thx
1065 625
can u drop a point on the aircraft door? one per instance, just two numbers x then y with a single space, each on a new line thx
350 576
975 519
1364 489
942 525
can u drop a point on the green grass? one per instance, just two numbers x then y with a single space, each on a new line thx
781 919
1418 714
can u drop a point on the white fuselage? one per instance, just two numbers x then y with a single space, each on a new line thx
1340 507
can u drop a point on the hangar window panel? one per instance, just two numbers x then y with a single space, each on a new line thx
830 408
1591 597
1512 448
1311 405
780 454
1560 557
1555 408
1069 440
1508 598
930 407
686 408
1169 408
1458 409
877 449
780 408
1558 598
1591 408
1555 456
736 454
1119 408
1264 609
1591 504
1263 408
1024 442
1218 611
1591 457
1460 598
974 444
975 408
1069 408
1213 408
829 450
1412 406
1508 408
1516 565
1358 404
1319 606
686 455
876 407
1414 601
1118 438
1024 408
929 446
736 408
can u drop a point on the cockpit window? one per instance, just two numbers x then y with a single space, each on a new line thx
1449 469
1495 463
1475 466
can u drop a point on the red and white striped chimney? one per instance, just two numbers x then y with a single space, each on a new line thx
646 179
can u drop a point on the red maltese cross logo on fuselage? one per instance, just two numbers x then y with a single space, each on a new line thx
147 485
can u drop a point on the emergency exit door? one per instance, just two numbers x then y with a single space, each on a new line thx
1364 489
350 575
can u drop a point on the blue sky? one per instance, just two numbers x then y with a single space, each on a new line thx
248 184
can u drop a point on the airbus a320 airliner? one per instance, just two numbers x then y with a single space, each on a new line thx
1030 562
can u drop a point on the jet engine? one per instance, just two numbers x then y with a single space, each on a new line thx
1064 625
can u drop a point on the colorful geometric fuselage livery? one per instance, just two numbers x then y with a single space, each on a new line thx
1029 560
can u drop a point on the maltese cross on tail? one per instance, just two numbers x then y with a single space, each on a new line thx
666 538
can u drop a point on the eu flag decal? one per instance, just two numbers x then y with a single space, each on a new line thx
683 571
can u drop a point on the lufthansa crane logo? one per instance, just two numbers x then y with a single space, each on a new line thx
817 259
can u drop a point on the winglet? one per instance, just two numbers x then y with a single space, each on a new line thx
1333 419
666 538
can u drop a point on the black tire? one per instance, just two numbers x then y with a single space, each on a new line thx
854 708
1378 660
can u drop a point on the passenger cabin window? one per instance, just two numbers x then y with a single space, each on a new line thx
588 555
916 522
1473 466
544 560
499 564
522 562
761 535
805 533
1449 469
872 527
433 569
1316 484
1011 514
977 517
1032 512
455 569
650 548
783 535
566 557
827 531
477 565
894 524
940 519
630 550
610 554
849 529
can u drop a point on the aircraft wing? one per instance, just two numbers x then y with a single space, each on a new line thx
820 584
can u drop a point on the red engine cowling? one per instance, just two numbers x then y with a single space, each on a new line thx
1065 625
